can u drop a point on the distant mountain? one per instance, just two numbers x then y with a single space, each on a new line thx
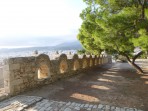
69 46
64 46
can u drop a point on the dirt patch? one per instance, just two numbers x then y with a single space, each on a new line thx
114 84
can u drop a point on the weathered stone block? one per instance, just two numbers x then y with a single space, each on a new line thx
17 82
14 67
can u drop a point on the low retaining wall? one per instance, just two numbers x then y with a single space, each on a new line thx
24 73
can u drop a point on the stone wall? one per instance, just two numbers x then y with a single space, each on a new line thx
1 77
24 73
1 73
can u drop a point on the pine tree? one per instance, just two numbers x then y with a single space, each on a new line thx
116 26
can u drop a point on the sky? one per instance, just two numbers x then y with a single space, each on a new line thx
25 23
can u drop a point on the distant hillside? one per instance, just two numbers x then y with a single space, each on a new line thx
69 46
64 46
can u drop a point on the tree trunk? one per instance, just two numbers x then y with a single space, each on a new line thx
135 66
132 63
143 12
142 3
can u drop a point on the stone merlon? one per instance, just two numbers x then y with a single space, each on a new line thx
24 73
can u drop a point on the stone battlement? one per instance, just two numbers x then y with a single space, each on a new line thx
24 73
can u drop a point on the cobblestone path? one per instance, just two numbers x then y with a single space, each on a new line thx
34 103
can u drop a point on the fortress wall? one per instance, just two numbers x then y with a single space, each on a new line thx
24 73
1 73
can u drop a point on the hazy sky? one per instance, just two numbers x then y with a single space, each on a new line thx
39 22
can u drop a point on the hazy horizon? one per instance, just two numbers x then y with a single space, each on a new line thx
29 46
33 23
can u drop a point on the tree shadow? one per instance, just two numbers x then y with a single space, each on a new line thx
104 84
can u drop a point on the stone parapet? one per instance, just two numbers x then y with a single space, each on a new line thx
24 73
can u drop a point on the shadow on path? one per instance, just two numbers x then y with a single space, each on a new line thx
114 84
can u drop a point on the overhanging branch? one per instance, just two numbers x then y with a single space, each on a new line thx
136 56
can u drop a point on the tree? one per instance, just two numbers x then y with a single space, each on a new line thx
83 51
116 26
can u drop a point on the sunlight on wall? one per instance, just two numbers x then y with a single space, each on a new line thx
76 65
91 63
84 97
96 62
63 66
84 64
100 87
43 72
105 80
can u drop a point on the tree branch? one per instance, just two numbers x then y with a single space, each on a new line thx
143 8
136 56
117 48
127 57
139 1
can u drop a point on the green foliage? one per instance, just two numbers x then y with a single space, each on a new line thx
146 13
115 26
83 51
142 40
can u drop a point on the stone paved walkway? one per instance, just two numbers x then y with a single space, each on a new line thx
33 103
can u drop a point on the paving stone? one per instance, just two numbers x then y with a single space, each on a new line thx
107 107
82 105
135 109
131 109
60 105
76 104
113 108
32 103
43 109
20 108
90 106
69 103
73 104
77 108
89 109
117 109
19 102
67 109
48 109
86 105
127 109
95 106
100 106
122 109
79 105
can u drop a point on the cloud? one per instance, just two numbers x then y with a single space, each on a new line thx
38 22
37 17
